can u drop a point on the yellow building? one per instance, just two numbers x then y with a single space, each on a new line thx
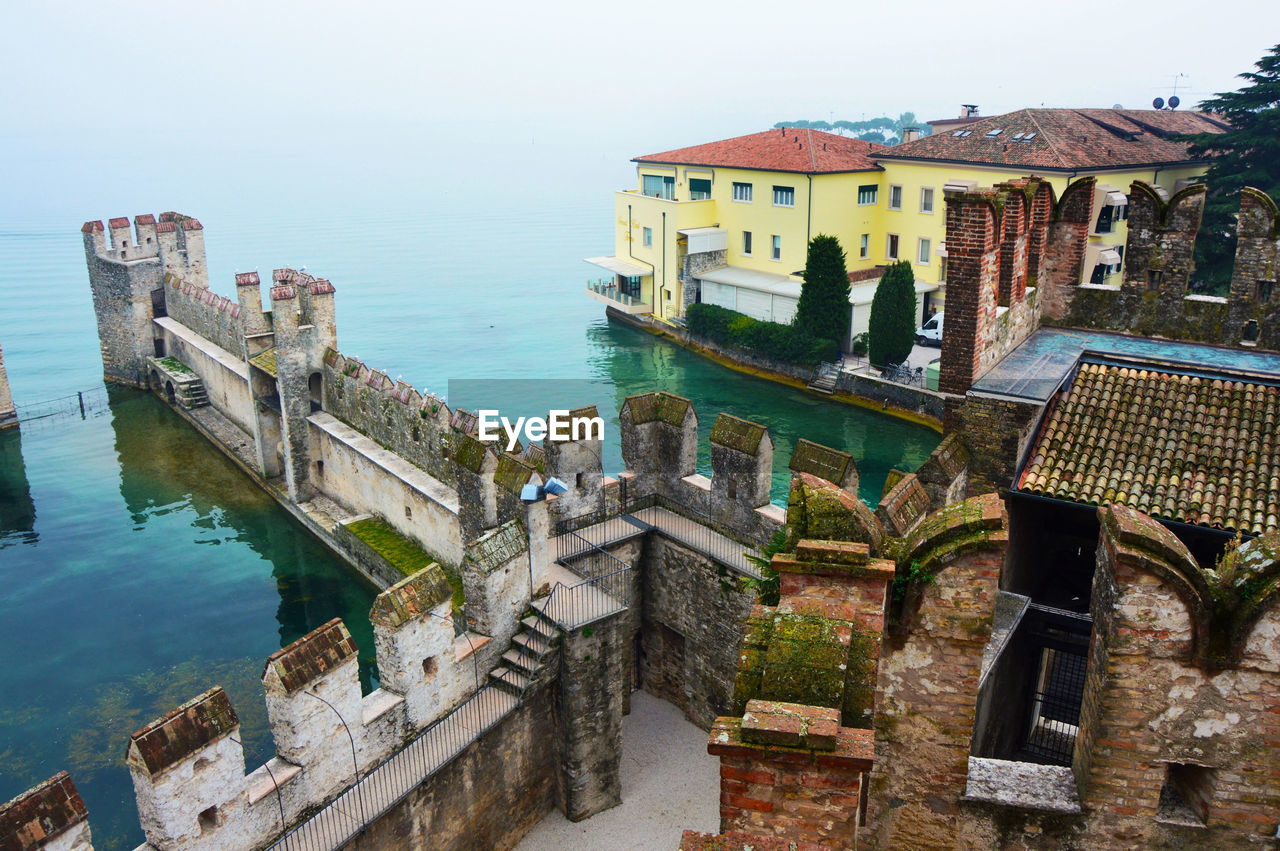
729 222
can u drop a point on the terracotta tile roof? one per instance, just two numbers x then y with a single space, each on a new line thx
144 219
92 227
38 815
1187 448
312 656
177 735
803 151
411 598
119 222
1063 139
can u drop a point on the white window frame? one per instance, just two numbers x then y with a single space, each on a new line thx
875 195
889 239
932 199
864 246
746 243
646 237
784 191
893 186
924 245
742 192
775 248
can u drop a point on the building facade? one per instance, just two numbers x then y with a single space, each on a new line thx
729 222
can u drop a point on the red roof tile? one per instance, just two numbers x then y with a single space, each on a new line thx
1188 448
144 219
312 656
175 736
788 149
119 222
1063 139
92 227
41 813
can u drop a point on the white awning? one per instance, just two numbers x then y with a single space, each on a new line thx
1109 257
941 250
620 267
750 279
706 239
959 186
1116 198
863 293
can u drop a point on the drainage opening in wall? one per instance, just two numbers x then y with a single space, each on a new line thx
1185 796
208 820
430 667
408 513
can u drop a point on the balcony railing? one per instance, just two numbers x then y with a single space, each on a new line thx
610 293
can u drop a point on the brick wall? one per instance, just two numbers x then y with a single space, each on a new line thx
927 687
1061 268
996 432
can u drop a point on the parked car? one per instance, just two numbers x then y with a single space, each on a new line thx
930 333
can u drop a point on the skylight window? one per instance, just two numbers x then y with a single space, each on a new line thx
1028 137
991 134
958 133
1017 137
966 132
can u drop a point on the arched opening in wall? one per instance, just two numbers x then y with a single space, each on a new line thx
1249 334
581 481
158 307
154 382
319 469
158 345
168 391
315 385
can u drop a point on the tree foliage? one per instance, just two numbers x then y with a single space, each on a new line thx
1246 155
882 129
823 310
772 339
893 315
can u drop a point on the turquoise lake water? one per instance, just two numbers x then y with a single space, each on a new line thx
141 568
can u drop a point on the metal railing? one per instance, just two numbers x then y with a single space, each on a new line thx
611 291
340 820
80 405
694 528
605 589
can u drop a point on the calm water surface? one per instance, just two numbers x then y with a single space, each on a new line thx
141 568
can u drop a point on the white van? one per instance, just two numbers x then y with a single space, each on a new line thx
930 333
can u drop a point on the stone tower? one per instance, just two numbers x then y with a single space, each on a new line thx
127 280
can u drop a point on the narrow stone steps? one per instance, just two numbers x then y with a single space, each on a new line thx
520 662
539 624
509 679
533 642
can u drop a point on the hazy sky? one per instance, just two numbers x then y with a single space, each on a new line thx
624 79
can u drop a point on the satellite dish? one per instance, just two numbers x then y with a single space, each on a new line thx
1158 103
1174 100
1118 106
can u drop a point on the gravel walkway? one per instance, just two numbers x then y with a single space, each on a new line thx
669 784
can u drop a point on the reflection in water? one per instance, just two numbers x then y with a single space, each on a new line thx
17 511
158 571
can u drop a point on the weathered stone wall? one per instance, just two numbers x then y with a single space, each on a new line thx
694 265
353 479
214 317
1254 294
997 432
8 415
490 795
1149 703
693 611
224 378
594 685
926 693
410 424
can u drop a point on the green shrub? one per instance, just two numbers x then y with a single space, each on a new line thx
781 342
892 324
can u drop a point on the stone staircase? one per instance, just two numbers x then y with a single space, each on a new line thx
824 378
533 642
188 389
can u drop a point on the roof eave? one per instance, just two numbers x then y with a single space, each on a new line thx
1055 168
873 167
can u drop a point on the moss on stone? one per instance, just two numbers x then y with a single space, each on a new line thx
737 433
400 552
469 452
806 661
175 367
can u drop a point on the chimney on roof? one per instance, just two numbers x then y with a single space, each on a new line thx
968 110
784 131
910 134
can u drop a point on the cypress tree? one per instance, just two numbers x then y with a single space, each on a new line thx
892 325
1246 155
824 310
